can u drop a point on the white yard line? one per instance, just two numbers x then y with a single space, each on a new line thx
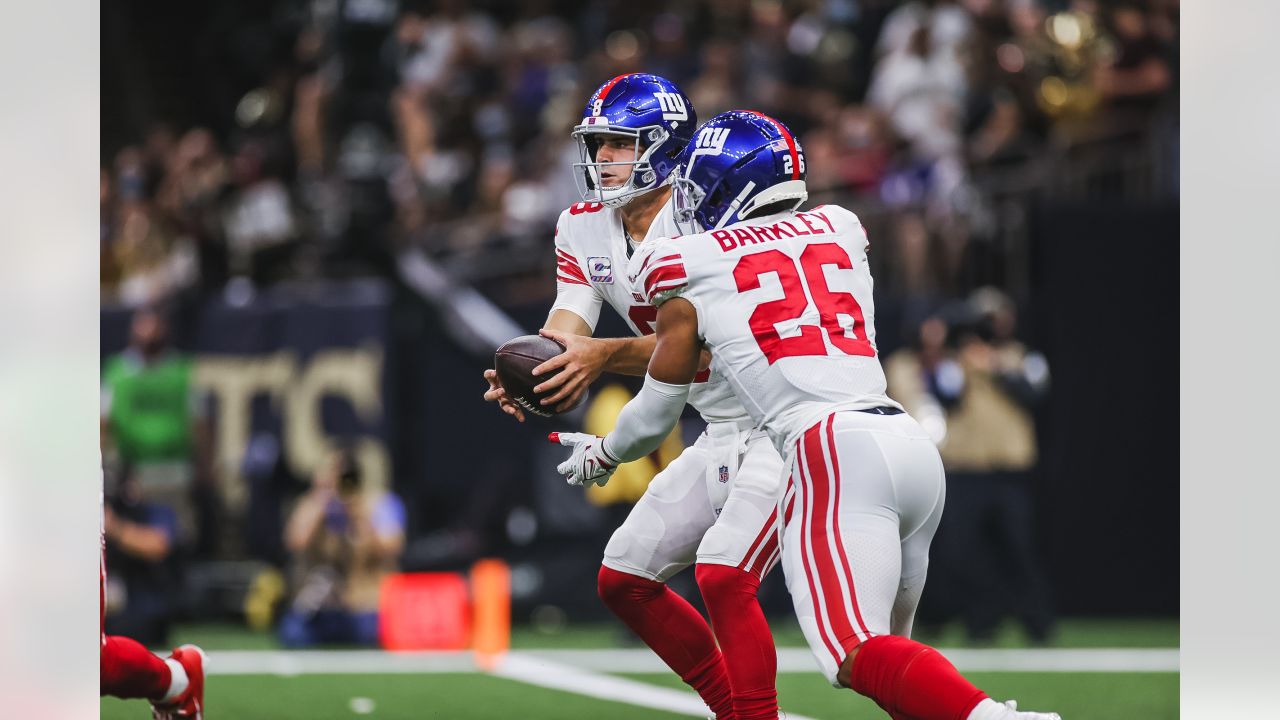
540 671
641 660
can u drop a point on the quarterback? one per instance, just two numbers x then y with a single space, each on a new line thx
715 504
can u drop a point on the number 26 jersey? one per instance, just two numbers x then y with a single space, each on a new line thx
784 303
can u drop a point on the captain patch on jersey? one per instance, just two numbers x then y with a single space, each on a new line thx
600 269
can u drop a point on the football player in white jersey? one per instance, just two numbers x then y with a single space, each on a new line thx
715 504
783 301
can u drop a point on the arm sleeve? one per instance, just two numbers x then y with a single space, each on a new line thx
573 292
645 421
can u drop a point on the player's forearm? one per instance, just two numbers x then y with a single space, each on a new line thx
645 421
629 356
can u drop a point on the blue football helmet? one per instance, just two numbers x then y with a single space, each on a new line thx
649 109
739 161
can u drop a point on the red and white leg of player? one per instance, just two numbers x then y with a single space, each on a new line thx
870 492
659 538
734 556
697 509
126 669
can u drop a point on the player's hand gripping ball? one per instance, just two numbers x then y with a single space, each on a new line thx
514 363
588 464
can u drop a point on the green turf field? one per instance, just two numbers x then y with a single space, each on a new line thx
1077 696
478 696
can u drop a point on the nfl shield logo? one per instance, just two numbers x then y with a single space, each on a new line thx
724 473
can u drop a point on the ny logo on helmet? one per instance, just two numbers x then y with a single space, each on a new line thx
708 142
672 106
711 140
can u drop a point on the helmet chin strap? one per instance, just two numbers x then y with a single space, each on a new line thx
733 206
627 191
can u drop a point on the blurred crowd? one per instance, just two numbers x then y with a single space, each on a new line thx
322 548
341 134
362 128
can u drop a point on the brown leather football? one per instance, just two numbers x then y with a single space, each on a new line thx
515 362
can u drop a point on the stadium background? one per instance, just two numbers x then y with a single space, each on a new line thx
348 205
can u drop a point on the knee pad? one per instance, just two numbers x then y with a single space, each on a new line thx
635 543
733 538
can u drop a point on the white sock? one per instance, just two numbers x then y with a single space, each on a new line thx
178 681
988 709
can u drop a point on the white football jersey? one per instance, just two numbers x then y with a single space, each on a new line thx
591 268
784 303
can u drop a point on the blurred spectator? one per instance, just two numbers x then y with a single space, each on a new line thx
1138 74
157 424
259 221
715 89
914 372
918 85
986 540
270 485
344 540
143 257
142 584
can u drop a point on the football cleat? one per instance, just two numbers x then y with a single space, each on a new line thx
190 704
1014 714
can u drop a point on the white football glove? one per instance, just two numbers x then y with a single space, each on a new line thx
588 464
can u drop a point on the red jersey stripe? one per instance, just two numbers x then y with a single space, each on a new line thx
669 276
572 280
571 273
566 257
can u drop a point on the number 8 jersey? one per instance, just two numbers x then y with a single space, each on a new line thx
590 244
784 303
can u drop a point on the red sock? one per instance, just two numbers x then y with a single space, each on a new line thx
745 640
128 670
674 630
911 681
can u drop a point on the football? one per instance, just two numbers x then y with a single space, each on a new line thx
515 362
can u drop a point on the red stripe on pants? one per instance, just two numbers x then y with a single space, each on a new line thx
763 560
807 553
760 537
835 528
838 603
